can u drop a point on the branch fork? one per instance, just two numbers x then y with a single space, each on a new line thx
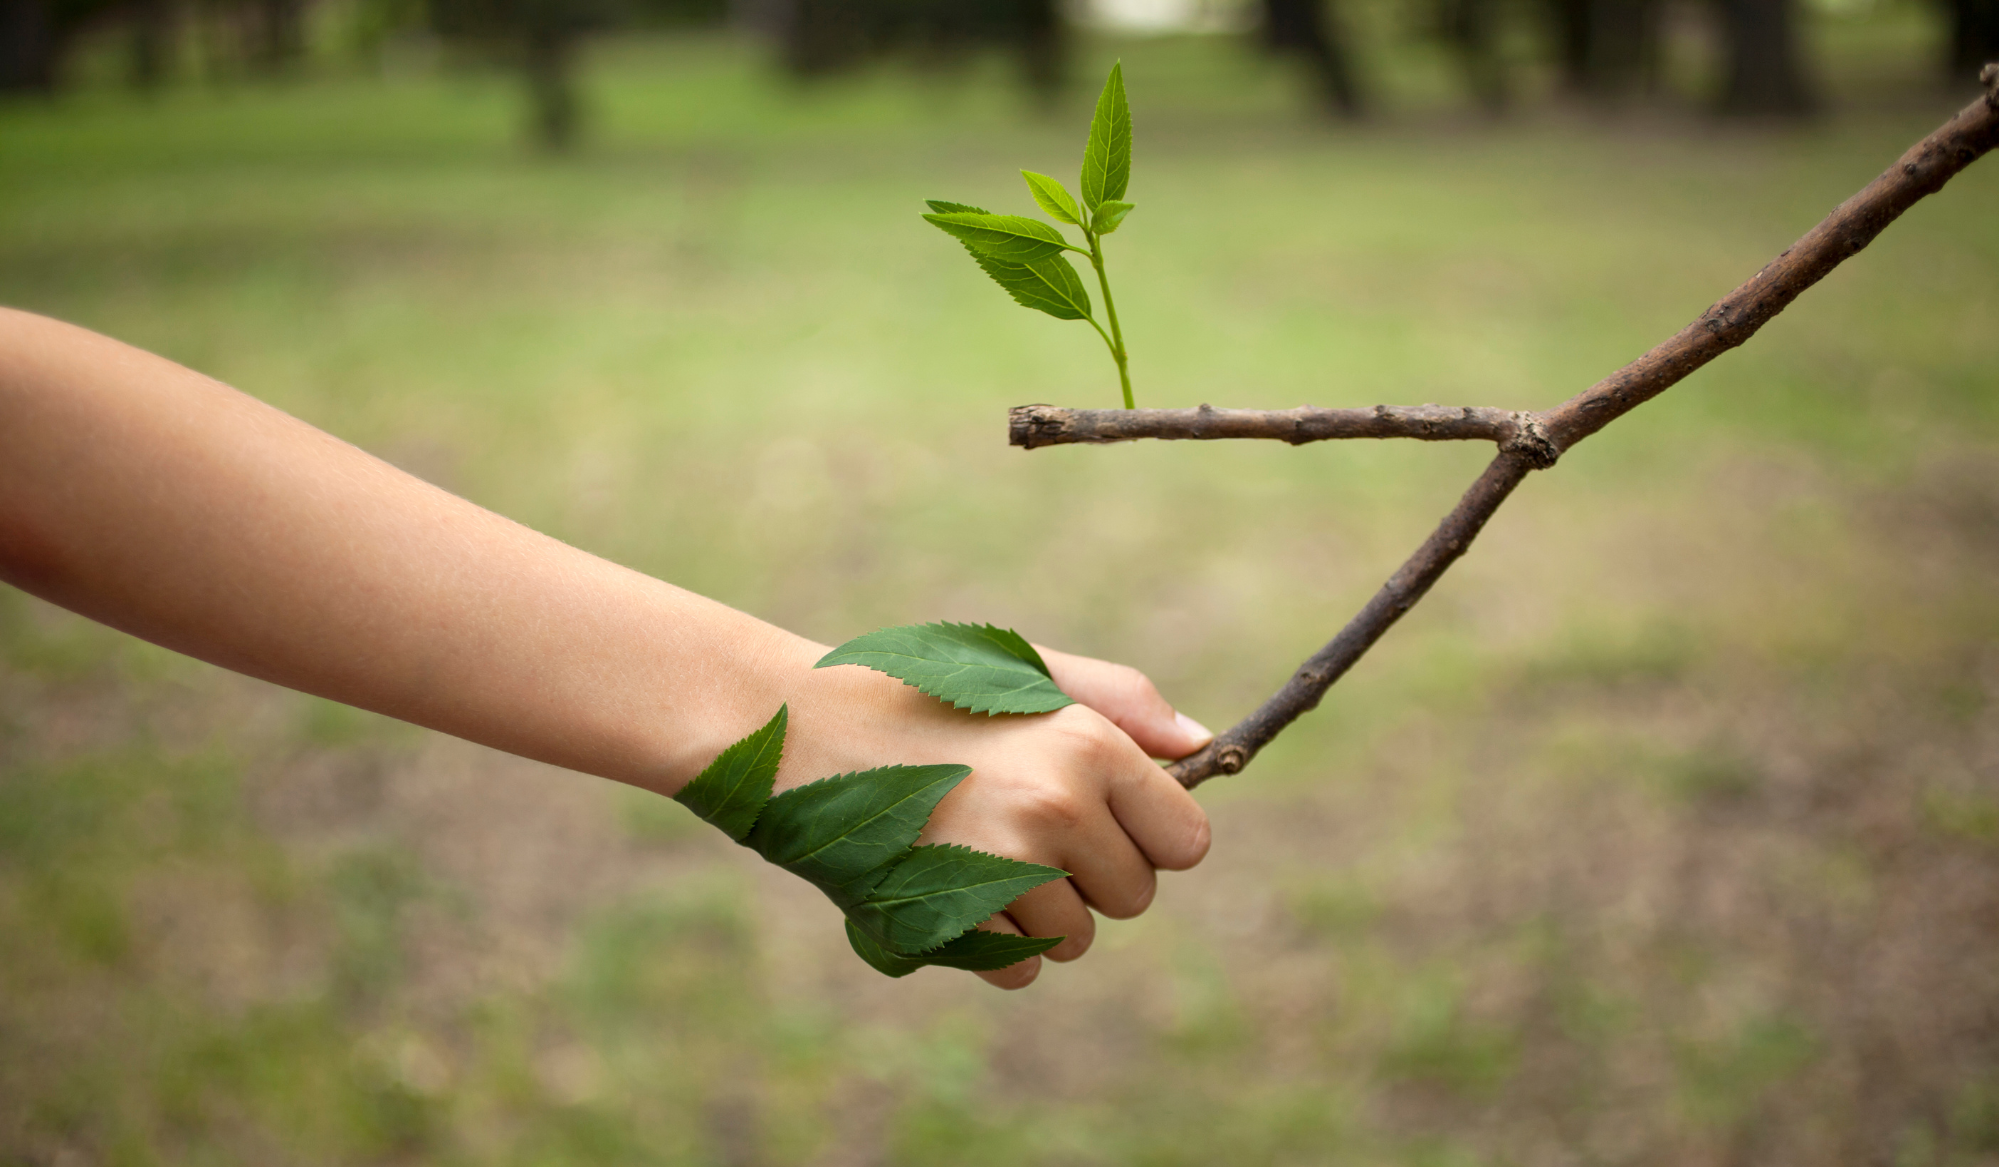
1525 441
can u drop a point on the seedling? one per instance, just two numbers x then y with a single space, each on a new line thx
1025 256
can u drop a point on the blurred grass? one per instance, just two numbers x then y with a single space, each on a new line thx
1662 832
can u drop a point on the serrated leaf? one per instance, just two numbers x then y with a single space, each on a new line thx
736 786
975 952
944 208
1049 286
1052 198
939 892
1110 213
1107 156
1009 238
972 666
837 832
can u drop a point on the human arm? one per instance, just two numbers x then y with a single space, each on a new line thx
166 504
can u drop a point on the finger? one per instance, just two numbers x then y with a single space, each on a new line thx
1055 909
1160 816
1129 701
1014 976
1108 869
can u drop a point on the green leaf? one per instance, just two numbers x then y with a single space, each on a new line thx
940 892
972 666
1107 156
735 786
1109 214
1052 198
1010 238
945 208
839 832
975 951
1049 286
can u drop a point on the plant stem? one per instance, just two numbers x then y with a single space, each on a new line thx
1117 340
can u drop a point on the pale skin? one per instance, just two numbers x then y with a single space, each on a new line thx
159 501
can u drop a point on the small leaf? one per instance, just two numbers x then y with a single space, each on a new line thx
1052 198
1110 213
837 831
977 667
975 951
939 892
1049 286
735 786
945 208
1107 156
1010 238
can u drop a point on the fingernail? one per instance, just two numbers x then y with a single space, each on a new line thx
1195 729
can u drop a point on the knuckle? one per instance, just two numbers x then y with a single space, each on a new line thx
1076 940
1053 805
1134 902
1191 848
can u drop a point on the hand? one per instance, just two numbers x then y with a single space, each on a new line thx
1073 789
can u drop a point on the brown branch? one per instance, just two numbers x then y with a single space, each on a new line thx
1527 441
1030 426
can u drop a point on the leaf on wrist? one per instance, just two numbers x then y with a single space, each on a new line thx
1107 156
941 892
974 952
853 836
736 786
1052 198
839 831
1109 214
972 666
1009 238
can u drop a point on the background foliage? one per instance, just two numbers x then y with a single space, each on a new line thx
1662 833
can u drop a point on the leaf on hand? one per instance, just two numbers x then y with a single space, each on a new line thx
1107 156
940 892
1009 238
944 208
1049 286
972 666
1052 198
736 786
1110 213
844 832
975 952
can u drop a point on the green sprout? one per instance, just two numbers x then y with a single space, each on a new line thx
1024 256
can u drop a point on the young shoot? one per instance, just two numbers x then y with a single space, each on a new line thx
1024 256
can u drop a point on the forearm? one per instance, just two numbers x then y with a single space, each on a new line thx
166 504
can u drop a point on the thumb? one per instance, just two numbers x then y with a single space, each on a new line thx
1126 698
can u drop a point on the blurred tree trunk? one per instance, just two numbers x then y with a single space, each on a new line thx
821 36
549 57
152 43
1470 27
29 47
1606 49
278 41
1307 29
1762 76
1038 37
1975 40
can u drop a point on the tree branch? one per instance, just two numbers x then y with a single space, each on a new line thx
1527 441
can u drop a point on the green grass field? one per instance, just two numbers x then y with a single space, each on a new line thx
1662 832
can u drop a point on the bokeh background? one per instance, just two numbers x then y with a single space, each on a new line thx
1663 832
